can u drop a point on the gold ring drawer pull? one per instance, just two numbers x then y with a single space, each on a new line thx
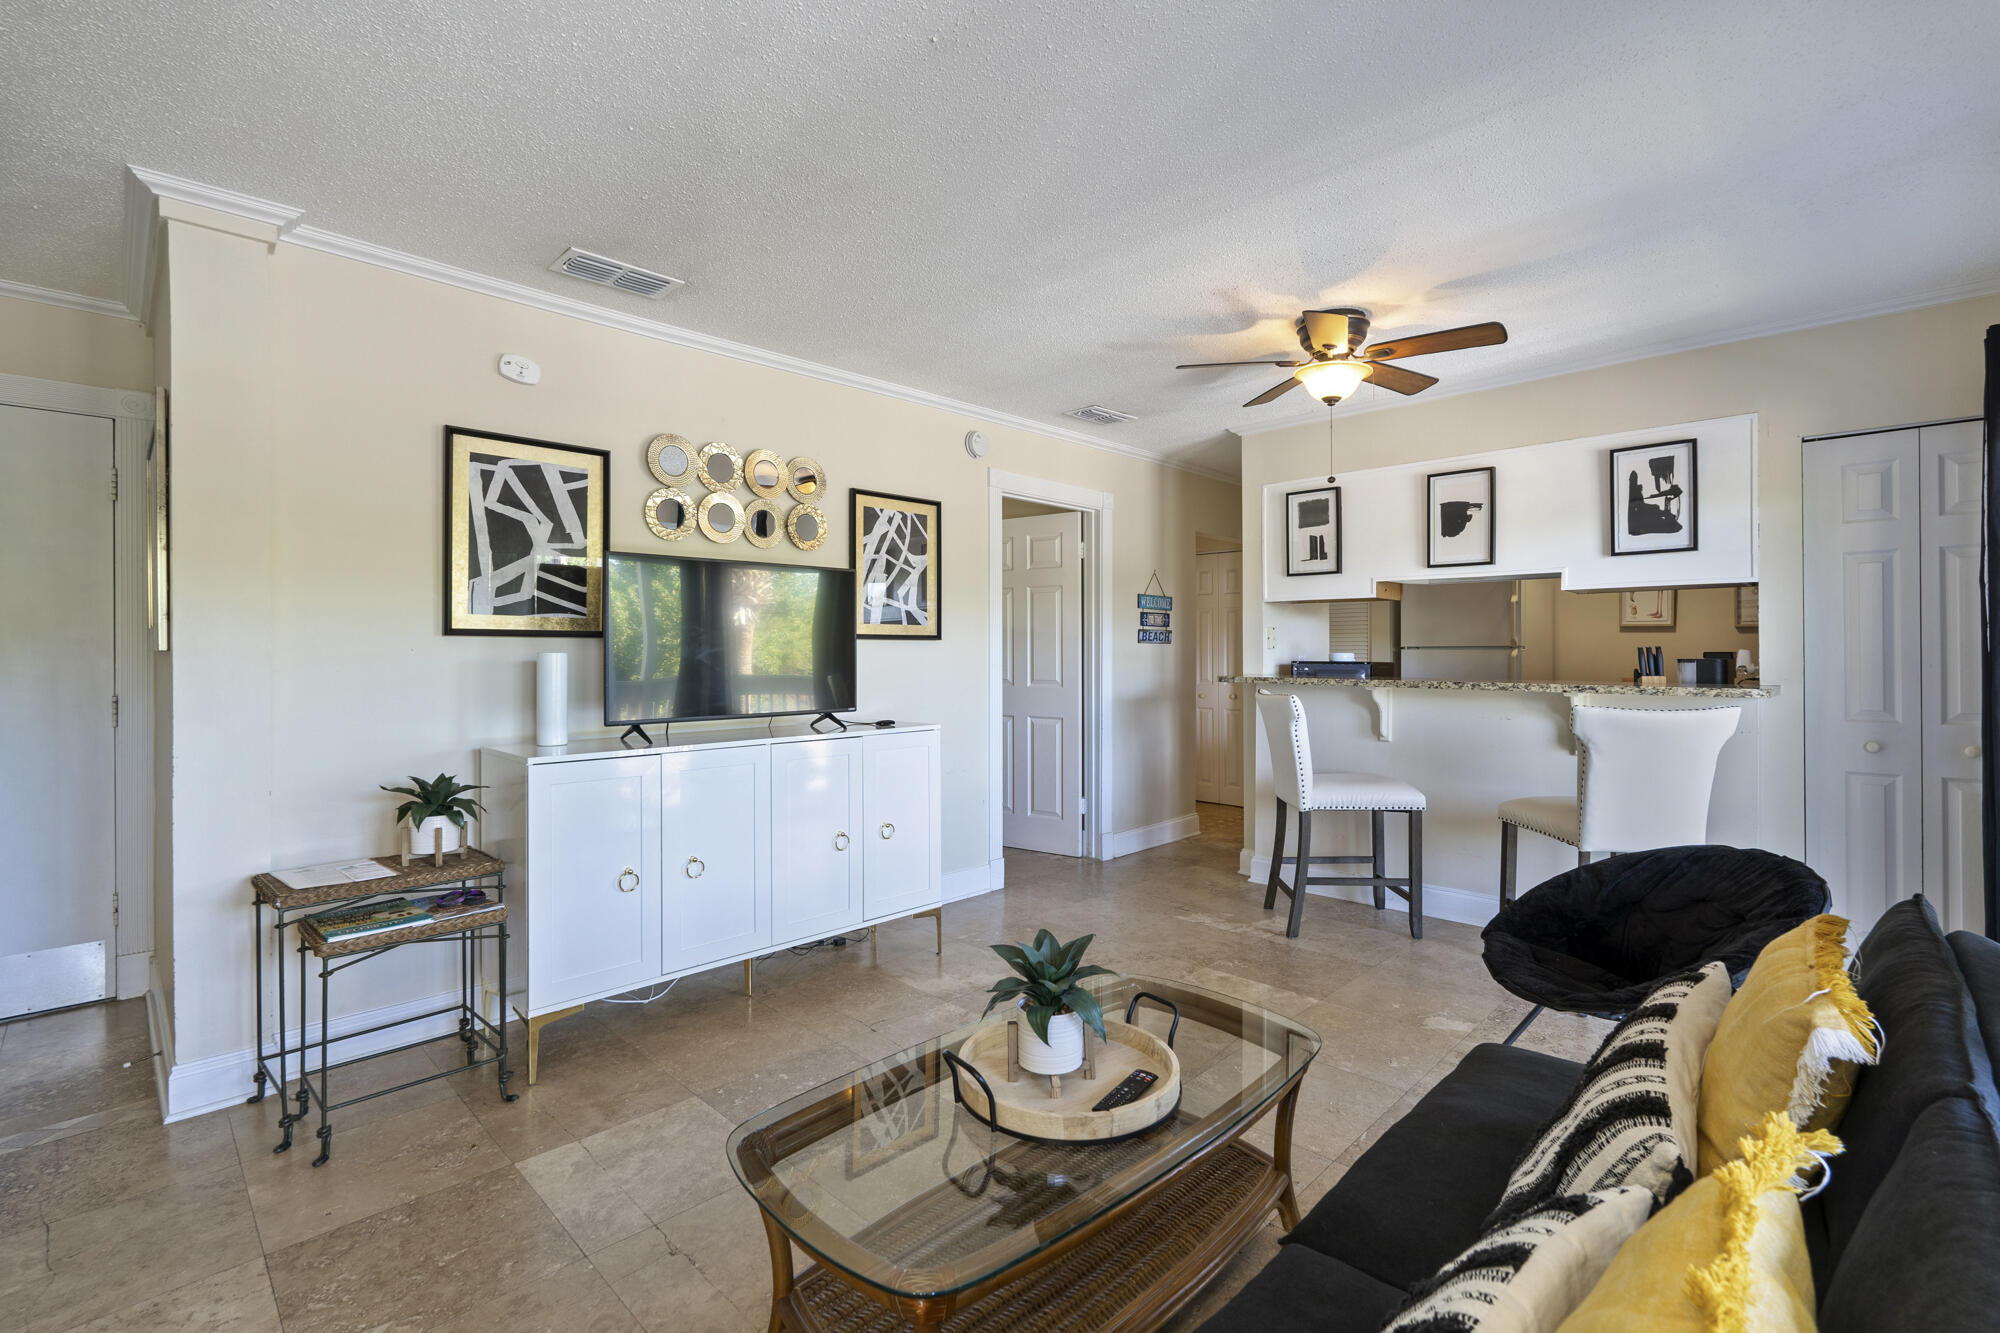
695 866
840 842
628 872
888 832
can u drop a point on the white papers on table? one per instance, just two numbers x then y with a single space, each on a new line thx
332 872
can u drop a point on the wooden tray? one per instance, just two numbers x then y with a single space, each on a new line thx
1057 1109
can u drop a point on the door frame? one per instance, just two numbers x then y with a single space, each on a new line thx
1098 784
131 415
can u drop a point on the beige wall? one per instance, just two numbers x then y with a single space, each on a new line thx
1890 370
308 663
55 343
1588 644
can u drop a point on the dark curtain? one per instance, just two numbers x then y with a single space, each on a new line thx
1989 726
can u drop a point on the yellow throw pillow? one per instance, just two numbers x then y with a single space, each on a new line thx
1727 1256
1788 1041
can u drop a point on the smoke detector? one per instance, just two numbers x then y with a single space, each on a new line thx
1101 415
614 273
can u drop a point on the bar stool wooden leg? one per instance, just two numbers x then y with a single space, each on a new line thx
1301 874
1375 823
1582 857
1510 841
1416 874
1277 859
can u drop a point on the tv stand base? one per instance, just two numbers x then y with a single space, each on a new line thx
644 739
827 717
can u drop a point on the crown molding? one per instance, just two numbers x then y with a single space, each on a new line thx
1938 296
94 305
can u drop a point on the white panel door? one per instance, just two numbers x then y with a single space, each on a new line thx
1041 690
716 866
815 838
1218 706
1950 486
56 775
1864 761
901 837
594 895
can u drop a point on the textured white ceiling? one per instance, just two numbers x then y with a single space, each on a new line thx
1033 206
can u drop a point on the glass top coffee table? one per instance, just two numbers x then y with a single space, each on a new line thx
917 1211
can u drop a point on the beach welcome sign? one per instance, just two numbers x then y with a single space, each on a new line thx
1155 613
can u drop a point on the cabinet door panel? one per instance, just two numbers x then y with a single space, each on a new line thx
902 864
594 900
815 842
717 869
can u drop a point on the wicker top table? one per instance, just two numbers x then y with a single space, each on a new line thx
918 1213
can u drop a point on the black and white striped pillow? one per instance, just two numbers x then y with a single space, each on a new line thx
1631 1118
1528 1274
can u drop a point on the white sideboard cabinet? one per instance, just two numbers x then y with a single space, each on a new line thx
629 865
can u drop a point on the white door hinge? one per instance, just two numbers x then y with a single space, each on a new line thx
114 485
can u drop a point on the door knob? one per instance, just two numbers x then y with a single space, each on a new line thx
623 887
694 867
888 832
840 842
1972 752
1873 747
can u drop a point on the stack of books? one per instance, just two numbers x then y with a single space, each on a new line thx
389 914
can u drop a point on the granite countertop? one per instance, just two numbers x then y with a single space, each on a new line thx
1521 687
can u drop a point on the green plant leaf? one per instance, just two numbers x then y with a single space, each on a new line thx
1038 1019
1092 971
1086 1006
1013 956
1072 953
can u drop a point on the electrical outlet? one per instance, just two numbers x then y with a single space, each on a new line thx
1271 637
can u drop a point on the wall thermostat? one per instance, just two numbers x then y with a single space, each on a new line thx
976 443
520 370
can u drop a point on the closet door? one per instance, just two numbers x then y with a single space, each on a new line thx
1951 475
717 863
815 838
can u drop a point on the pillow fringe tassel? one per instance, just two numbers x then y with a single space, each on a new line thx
1772 1159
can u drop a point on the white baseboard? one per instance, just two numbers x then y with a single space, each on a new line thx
1132 840
201 1086
1440 900
134 975
974 880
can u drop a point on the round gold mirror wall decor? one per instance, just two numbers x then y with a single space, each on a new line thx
764 473
671 458
806 526
670 513
721 517
762 525
719 467
806 479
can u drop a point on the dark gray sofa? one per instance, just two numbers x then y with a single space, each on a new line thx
1907 1235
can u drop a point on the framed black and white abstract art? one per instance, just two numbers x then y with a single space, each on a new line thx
1655 498
1459 509
1312 531
897 546
525 526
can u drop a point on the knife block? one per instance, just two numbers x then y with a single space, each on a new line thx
1652 680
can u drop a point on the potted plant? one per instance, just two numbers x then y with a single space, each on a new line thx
440 804
1047 991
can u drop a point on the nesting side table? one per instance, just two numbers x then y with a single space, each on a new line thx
485 1041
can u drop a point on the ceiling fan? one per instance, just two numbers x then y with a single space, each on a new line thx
1337 363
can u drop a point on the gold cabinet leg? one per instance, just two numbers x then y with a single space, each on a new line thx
936 914
750 976
535 1026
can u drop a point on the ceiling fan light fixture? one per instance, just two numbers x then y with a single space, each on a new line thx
1331 381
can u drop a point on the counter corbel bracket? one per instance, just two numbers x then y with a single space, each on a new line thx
1385 714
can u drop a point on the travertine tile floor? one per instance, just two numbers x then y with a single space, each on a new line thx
601 1200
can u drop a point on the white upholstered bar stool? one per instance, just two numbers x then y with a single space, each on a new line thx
1309 791
1643 778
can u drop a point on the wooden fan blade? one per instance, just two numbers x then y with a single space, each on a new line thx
1325 330
1272 392
1203 365
1399 379
1447 340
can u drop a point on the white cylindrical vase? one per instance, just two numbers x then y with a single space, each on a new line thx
552 699
1062 1053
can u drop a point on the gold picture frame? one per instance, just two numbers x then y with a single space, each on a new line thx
525 527
1647 609
897 566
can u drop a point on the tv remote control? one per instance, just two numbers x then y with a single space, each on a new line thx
1131 1090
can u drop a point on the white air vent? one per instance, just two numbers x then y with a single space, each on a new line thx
613 273
1102 416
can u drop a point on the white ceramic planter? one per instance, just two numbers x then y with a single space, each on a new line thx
1062 1053
423 837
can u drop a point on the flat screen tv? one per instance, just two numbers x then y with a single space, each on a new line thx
688 640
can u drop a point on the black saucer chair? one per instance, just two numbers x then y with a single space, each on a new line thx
1595 940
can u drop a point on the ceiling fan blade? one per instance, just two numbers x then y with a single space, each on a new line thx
1203 365
1326 330
1272 392
1399 379
1446 340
